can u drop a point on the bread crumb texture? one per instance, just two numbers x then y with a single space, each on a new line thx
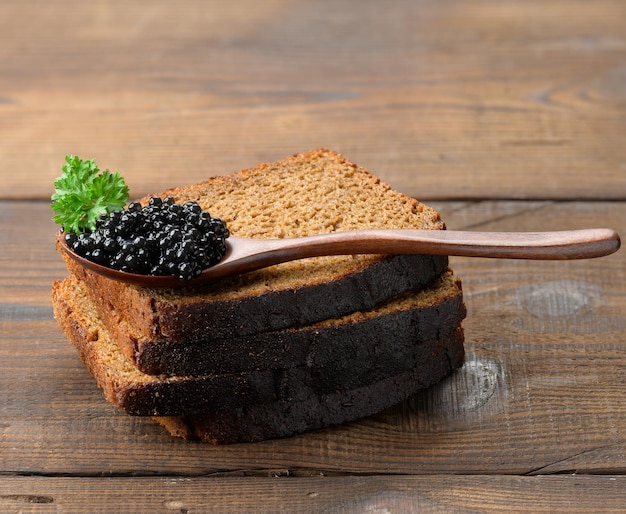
302 195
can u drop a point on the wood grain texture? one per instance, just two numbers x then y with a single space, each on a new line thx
328 495
444 99
541 391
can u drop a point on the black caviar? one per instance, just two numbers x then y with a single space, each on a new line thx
161 238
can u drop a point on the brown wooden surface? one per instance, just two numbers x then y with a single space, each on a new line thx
443 98
336 495
502 115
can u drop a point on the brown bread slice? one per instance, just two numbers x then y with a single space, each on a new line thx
285 418
301 195
364 334
142 394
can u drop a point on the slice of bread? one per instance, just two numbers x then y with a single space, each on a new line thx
282 418
391 345
361 333
304 194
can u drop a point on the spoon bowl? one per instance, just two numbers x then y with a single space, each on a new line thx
245 255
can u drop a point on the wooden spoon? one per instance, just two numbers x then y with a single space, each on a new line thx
251 254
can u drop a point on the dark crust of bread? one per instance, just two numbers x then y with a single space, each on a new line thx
146 395
285 418
154 320
302 306
321 344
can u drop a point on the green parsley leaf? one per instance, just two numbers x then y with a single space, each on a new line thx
83 194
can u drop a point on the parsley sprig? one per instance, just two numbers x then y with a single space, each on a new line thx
83 194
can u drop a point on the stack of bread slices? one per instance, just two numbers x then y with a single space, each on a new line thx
287 349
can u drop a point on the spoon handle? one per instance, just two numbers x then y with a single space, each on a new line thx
571 244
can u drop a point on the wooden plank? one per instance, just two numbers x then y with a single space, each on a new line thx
451 99
28 261
541 391
399 494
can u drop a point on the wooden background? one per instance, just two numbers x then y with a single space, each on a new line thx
502 115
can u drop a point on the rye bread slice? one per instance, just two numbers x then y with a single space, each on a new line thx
301 195
141 394
414 316
285 418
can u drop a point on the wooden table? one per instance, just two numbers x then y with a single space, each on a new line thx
502 115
